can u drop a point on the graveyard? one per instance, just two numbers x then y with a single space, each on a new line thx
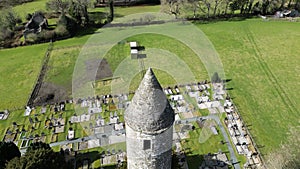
95 125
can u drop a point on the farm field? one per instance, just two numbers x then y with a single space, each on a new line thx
262 61
19 69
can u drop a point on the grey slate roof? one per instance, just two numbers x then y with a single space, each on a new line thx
149 111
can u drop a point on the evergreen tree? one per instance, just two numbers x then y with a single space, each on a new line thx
8 151
39 156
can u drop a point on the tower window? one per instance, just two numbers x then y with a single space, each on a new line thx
147 144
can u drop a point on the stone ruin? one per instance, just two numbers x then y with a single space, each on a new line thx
35 25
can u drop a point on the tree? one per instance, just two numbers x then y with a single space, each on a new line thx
265 5
8 20
250 4
111 10
207 6
60 6
195 6
217 3
227 2
239 4
78 10
39 156
174 7
38 145
8 151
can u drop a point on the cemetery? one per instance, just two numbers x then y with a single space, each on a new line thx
240 137
94 122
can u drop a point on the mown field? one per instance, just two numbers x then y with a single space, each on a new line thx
261 59
19 69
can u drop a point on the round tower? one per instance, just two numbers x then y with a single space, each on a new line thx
149 127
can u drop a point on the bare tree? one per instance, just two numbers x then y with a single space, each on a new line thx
61 6
227 2
174 7
205 6
217 3
282 4
194 6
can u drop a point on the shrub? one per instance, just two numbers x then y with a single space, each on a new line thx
46 35
31 38
61 30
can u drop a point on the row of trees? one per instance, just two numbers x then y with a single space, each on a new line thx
38 156
75 8
8 23
4 3
72 15
213 8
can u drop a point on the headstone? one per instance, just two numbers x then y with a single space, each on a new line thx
30 120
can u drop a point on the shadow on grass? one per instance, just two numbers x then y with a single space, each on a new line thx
228 17
87 31
194 161
107 167
88 156
227 80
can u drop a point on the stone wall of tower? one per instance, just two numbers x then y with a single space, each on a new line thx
142 156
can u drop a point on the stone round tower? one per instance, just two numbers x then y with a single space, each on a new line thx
149 127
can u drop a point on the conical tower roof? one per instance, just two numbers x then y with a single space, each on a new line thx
149 111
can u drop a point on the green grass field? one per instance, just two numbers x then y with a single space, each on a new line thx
262 59
29 8
19 69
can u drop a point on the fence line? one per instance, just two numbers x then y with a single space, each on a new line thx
40 77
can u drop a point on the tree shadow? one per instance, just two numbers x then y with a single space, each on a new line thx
220 18
90 157
226 80
206 161
107 167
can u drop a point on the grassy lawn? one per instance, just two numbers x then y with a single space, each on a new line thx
19 69
63 59
61 65
262 59
30 7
